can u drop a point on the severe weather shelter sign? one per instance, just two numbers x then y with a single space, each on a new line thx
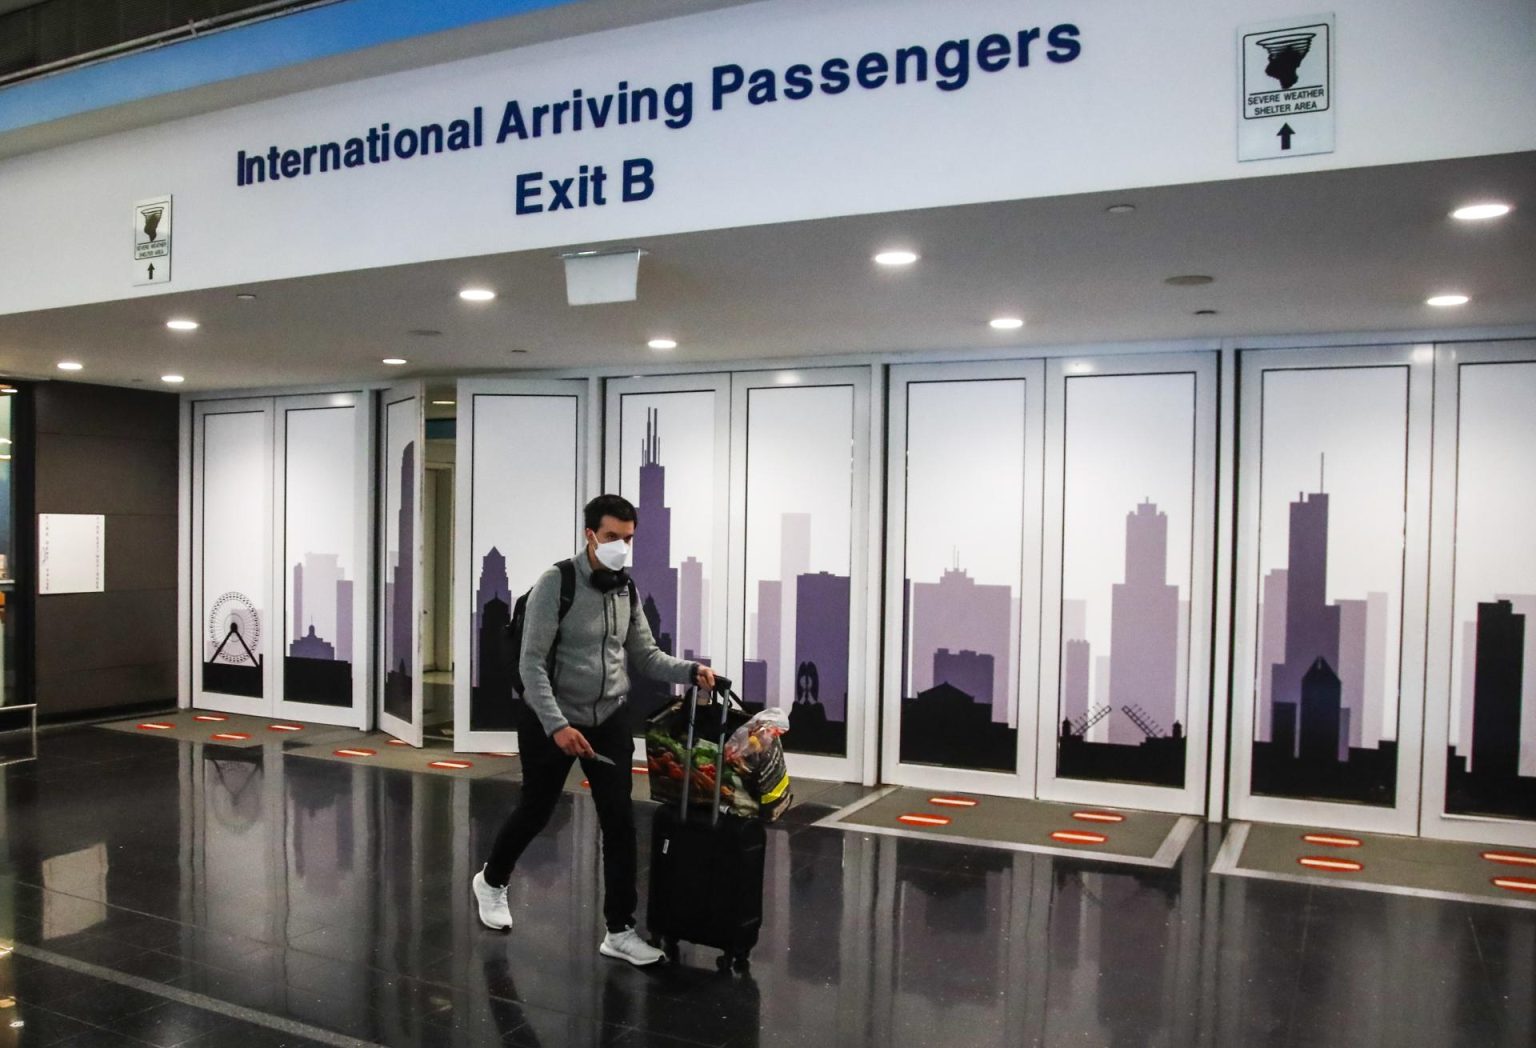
1286 105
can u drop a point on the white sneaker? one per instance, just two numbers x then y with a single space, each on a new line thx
628 946
492 902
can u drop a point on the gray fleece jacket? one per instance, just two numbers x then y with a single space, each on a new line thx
590 682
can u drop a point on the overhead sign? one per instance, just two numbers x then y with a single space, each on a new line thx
152 241
1286 105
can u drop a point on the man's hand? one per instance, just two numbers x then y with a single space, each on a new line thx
573 743
705 678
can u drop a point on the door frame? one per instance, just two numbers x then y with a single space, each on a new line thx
358 715
1021 782
464 549
863 711
1242 802
409 731
1191 797
201 410
1434 821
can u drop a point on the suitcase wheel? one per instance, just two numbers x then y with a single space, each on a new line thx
733 962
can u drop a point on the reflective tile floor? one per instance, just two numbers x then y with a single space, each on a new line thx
166 893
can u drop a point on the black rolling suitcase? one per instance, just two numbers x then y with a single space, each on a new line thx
706 872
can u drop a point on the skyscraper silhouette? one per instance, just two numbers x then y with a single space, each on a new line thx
958 613
690 610
1320 714
1144 629
1311 623
654 575
1496 695
493 585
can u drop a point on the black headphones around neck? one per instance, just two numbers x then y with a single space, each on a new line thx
607 581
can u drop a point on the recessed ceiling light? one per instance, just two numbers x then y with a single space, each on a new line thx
1007 323
172 379
1082 367
70 365
662 343
1447 300
246 296
444 403
1189 280
1120 209
1473 212
477 294
786 378
182 325
394 362
896 258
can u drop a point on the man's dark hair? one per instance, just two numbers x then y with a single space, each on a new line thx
616 506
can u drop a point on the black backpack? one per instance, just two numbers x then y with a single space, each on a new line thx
520 619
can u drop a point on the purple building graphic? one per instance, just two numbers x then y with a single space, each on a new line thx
493 585
1077 662
1492 782
967 670
770 627
690 611
317 666
1271 642
1144 633
821 639
1323 738
1311 623
654 575
959 613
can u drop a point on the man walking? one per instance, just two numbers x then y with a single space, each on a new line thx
575 689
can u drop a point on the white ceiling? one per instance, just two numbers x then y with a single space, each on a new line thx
1333 252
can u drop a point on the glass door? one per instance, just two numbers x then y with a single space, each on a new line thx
962 610
400 481
1332 558
232 556
521 483
1480 698
668 441
323 520
801 554
1130 482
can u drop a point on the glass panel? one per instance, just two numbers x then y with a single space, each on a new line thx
524 520
667 469
1492 758
320 558
400 425
1332 517
236 512
799 505
964 558
9 565
1128 536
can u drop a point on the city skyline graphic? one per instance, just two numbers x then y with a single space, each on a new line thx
956 709
318 664
1321 665
799 597
1483 770
1121 710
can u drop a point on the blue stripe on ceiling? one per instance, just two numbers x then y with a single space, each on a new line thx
242 51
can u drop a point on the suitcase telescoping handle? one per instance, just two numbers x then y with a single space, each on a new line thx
722 692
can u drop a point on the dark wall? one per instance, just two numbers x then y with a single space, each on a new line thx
111 451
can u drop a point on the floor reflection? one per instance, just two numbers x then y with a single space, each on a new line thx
335 895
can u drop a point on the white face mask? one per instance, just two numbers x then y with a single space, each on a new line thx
612 555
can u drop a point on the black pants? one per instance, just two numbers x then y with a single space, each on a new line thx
545 768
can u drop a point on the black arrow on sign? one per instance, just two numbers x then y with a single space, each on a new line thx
152 265
1285 133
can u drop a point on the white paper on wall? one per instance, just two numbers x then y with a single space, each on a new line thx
71 553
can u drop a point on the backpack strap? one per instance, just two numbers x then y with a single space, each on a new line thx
567 587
